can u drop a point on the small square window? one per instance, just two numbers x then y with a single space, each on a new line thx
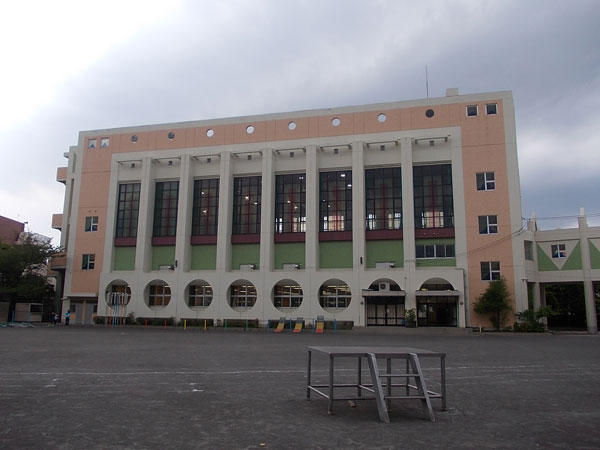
104 142
472 110
92 143
490 270
491 109
488 224
91 223
88 261
486 181
559 251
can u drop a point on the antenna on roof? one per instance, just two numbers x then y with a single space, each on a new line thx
426 82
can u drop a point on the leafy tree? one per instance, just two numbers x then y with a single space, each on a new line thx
495 301
22 271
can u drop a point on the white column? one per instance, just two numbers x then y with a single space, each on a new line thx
223 262
408 222
184 216
588 287
143 251
311 247
358 206
312 209
267 212
358 227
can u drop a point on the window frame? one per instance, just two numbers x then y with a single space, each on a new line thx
433 202
128 209
488 224
88 261
104 142
339 298
495 105
435 250
92 143
201 299
382 186
337 183
559 251
165 208
164 295
205 207
290 293
489 272
290 203
486 184
91 224
247 198
242 296
468 111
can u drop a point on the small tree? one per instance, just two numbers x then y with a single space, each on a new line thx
22 274
495 301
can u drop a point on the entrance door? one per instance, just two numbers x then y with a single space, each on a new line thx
385 311
437 312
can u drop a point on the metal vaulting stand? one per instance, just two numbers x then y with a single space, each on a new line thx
382 393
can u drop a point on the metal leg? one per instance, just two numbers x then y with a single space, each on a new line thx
330 405
389 383
378 390
421 385
443 381
308 376
358 389
406 378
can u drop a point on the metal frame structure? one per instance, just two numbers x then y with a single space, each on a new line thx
383 399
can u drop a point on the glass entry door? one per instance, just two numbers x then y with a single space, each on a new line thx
385 311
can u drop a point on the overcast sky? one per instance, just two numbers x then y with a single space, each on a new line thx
78 65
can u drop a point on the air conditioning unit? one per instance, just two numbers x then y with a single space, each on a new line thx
247 266
385 265
384 286
291 266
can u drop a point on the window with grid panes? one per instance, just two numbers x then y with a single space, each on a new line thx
490 270
486 181
335 205
205 209
287 296
246 205
127 210
243 296
290 203
165 208
435 251
383 198
334 296
433 196
159 295
488 224
200 295
88 261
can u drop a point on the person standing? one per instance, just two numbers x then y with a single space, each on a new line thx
54 318
67 317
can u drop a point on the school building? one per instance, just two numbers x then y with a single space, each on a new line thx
356 214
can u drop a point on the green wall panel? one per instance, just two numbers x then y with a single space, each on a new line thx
124 258
163 255
545 264
594 256
335 255
203 257
289 253
385 251
574 261
244 254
